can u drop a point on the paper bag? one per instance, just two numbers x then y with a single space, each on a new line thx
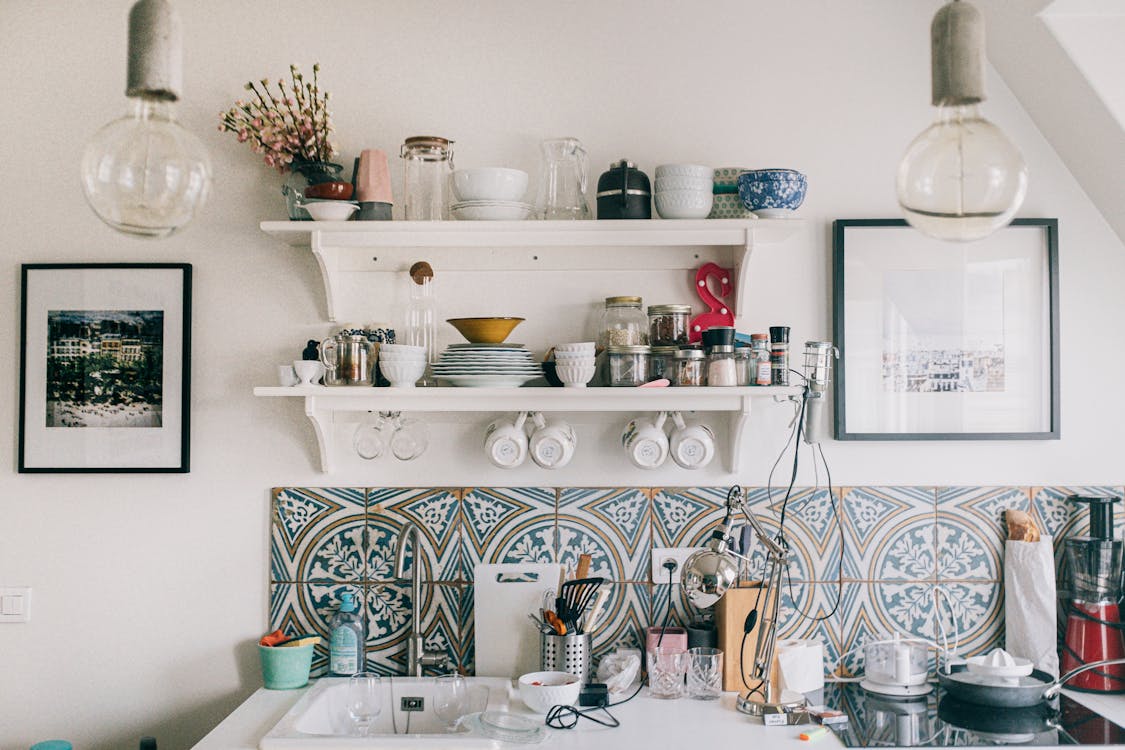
1029 603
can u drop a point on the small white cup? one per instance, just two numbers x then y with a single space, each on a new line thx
505 442
308 370
552 444
645 443
691 446
287 376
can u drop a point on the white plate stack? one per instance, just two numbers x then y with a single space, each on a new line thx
575 364
487 366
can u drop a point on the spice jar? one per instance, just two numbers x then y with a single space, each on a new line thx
760 359
742 365
623 323
687 367
720 366
427 167
668 324
779 355
660 362
628 365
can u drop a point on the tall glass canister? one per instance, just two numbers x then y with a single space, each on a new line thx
426 168
421 316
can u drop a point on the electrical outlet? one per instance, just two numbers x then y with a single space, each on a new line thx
676 554
15 603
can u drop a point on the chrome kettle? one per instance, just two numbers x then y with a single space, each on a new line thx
348 360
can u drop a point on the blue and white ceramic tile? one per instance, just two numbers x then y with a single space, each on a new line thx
683 613
506 525
685 517
976 610
807 612
300 608
388 624
436 513
971 530
317 534
630 613
612 526
813 528
890 533
877 609
1060 519
466 642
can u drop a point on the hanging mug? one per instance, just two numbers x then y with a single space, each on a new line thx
645 443
552 443
505 442
691 446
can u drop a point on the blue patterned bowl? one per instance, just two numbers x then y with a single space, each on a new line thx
772 190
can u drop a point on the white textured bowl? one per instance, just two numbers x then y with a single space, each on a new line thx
555 689
580 346
403 374
684 183
330 210
575 374
402 358
402 348
489 184
490 211
685 170
683 204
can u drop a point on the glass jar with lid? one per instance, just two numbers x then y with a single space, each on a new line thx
760 359
627 365
668 324
660 362
427 166
688 367
721 369
623 323
742 365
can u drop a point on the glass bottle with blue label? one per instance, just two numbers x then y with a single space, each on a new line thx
345 643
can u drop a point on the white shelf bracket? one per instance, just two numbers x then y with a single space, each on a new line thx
327 261
742 255
739 423
322 425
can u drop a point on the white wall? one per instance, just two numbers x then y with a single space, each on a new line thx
150 590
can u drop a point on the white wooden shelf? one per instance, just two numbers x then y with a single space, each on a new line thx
326 406
348 247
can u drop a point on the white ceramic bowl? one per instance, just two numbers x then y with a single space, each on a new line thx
575 375
490 211
489 184
683 204
580 346
541 691
684 183
403 374
685 170
402 348
330 210
405 358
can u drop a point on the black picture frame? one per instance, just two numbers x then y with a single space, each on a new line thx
120 421
866 376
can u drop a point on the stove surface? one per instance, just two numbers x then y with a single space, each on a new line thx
939 720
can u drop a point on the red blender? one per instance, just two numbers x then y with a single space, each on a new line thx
1093 622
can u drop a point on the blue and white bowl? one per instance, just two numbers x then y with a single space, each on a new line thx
772 192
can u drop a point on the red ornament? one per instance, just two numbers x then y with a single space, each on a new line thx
720 313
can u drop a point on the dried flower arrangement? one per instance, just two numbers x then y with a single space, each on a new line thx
293 126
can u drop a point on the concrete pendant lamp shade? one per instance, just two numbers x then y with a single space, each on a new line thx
155 51
957 55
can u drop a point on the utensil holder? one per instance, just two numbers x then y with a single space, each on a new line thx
566 653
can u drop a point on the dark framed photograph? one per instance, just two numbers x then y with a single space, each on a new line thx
105 367
946 341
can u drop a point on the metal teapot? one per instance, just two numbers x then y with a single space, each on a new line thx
349 359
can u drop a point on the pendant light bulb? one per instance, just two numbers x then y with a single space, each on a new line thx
145 174
961 179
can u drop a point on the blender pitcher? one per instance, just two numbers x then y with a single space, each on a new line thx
562 186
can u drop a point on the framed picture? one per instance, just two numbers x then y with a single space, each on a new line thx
105 367
946 341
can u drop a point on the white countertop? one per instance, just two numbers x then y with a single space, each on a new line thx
646 723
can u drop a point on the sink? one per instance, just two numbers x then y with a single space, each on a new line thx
319 719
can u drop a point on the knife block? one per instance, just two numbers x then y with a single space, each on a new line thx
730 616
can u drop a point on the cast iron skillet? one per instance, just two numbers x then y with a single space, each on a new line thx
1037 687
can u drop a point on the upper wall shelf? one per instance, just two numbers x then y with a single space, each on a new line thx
344 247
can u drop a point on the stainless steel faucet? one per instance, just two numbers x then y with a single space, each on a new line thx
417 656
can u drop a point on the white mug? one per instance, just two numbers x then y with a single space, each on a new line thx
692 446
552 444
645 443
287 376
505 442
310 371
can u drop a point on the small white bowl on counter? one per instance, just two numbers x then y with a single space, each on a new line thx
330 210
542 691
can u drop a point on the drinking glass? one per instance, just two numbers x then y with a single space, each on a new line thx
666 668
409 439
369 441
450 696
705 673
364 700
477 702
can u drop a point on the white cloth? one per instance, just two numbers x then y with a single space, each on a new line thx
1029 603
800 664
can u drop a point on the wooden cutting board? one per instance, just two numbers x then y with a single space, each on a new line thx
507 643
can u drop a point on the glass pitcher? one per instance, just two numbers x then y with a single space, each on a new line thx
348 360
562 186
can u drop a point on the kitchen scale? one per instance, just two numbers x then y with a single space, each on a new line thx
940 720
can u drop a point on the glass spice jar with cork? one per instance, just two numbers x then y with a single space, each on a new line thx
668 324
623 323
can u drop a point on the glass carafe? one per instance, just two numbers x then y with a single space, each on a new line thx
427 166
562 183
421 321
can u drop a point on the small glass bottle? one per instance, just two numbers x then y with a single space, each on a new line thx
660 362
421 316
760 372
623 323
721 367
427 167
668 324
628 365
779 355
688 368
742 364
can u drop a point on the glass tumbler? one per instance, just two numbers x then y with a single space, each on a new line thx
705 673
666 669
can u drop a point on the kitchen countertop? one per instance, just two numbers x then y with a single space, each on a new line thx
645 723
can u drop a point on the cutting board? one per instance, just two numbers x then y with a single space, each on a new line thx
507 643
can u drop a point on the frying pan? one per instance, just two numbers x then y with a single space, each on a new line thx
1021 693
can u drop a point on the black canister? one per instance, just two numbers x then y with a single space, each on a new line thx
624 192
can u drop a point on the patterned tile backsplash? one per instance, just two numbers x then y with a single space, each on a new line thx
915 559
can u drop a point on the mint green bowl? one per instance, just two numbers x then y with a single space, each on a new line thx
286 667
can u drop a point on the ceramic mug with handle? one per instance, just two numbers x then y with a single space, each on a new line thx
552 444
645 443
692 446
505 442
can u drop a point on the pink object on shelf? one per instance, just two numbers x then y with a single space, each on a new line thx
373 178
661 383
674 638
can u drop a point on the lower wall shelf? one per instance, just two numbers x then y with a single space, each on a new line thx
325 406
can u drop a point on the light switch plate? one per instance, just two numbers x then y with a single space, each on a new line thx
15 604
660 554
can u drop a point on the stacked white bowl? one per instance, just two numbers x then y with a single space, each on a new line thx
402 364
489 194
684 191
574 364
